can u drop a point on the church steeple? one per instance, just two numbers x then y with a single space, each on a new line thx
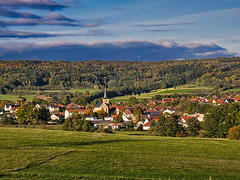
105 98
105 93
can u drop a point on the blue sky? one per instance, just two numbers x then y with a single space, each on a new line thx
130 29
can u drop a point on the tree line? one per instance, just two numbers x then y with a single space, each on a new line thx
121 76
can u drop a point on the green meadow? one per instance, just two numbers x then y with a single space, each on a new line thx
179 90
14 97
54 154
30 95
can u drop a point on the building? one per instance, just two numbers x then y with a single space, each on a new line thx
74 108
103 105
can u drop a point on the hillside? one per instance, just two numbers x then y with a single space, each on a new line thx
55 154
122 77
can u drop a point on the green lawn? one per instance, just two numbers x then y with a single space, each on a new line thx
55 154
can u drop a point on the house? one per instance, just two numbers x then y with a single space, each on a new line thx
119 109
10 108
229 100
146 126
116 126
127 115
167 111
55 118
183 120
108 118
74 108
151 112
90 118
53 108
103 105
100 122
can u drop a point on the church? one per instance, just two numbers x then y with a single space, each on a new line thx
103 105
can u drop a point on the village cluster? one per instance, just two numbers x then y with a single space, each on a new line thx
149 112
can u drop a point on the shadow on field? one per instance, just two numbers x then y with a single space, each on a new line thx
137 134
87 143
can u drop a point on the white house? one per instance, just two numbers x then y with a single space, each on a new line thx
116 126
146 126
108 118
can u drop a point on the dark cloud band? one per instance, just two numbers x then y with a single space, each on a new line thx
130 50
33 4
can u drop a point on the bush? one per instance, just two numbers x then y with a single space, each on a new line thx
234 133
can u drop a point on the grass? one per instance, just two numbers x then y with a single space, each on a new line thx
234 89
29 94
54 154
179 90
13 97
71 90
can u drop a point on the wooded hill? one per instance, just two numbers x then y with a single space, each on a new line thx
121 76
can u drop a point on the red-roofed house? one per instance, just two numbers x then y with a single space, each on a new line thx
146 126
116 126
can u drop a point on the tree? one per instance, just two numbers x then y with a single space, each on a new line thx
21 114
139 117
42 115
132 101
172 127
193 127
76 123
234 133
5 119
160 128
153 123
137 110
87 126
118 119
220 119
101 114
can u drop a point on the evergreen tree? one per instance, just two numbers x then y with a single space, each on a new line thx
193 127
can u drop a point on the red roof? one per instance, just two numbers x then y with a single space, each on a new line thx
186 118
147 124
116 124
128 112
120 108
77 110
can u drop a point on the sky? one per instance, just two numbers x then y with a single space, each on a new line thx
147 30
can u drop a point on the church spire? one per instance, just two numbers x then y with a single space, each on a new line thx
105 93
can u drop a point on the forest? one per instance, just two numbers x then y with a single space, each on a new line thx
121 77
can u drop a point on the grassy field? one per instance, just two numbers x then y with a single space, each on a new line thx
179 90
55 154
72 90
11 97
29 95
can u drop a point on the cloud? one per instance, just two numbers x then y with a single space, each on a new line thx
162 30
22 34
14 14
33 4
119 50
47 21
96 32
58 17
164 24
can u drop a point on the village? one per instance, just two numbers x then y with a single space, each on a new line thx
119 116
